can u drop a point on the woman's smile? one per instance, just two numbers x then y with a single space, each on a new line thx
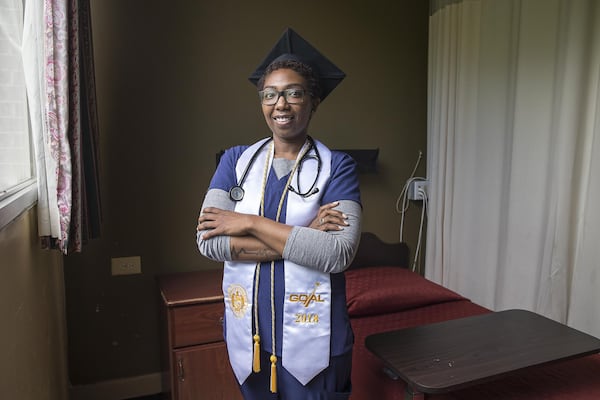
283 119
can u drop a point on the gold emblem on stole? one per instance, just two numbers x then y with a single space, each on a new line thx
238 299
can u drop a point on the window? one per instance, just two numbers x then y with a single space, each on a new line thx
17 184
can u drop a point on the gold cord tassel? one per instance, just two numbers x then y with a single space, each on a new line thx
273 374
256 361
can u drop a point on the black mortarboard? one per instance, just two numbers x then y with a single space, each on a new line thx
293 46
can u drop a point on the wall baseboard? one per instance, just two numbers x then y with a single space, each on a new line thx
119 389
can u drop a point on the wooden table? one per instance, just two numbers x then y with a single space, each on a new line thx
445 356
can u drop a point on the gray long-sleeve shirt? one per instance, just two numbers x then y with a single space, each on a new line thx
330 252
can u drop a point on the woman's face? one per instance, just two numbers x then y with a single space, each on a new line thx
288 122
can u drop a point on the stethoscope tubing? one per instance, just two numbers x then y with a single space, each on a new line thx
236 193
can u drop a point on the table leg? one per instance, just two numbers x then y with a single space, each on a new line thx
412 394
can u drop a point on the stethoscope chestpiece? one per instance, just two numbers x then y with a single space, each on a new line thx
236 193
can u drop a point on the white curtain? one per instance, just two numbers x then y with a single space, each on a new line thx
514 155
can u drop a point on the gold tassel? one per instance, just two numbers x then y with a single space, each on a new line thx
273 374
256 362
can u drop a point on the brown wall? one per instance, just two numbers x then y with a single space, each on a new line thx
33 365
172 91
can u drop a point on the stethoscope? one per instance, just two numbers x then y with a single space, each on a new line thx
236 193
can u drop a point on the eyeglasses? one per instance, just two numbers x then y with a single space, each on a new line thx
270 96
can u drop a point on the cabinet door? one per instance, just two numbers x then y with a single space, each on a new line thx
203 373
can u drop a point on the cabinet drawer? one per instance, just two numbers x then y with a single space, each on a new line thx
197 324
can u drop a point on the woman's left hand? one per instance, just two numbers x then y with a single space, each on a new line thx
329 219
216 222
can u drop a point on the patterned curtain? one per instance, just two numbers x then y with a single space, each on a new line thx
83 132
60 75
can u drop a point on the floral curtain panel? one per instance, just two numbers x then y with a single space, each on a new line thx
59 65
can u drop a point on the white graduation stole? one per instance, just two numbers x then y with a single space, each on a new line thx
307 301
238 276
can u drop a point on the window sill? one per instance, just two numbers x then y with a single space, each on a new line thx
15 204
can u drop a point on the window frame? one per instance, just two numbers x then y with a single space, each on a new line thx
17 200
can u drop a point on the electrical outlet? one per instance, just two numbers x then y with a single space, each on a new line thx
417 189
126 265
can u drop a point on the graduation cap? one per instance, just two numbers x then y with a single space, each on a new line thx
293 46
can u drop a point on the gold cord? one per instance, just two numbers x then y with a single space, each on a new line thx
256 337
273 358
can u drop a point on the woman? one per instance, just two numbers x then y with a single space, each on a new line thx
284 214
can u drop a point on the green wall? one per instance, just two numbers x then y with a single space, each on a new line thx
33 341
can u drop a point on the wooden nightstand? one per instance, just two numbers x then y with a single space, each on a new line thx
194 350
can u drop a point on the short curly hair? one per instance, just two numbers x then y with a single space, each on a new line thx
304 70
